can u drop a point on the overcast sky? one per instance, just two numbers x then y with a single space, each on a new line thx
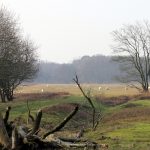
68 29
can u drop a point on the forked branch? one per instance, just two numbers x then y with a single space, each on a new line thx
76 80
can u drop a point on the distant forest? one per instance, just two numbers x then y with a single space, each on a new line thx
94 69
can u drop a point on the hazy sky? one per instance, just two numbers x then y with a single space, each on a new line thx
68 29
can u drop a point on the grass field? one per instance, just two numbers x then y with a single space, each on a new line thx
108 90
125 124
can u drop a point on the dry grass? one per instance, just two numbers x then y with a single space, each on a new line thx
129 114
113 101
108 90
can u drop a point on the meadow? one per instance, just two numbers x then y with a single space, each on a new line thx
125 123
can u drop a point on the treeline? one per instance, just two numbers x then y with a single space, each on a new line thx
94 69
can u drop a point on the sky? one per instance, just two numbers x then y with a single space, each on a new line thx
65 30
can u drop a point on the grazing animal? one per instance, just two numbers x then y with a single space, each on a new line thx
99 88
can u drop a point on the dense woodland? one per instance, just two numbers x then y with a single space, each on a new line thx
94 69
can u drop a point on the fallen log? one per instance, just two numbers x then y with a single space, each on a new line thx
4 138
24 139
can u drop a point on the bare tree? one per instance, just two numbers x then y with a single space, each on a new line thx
18 61
132 44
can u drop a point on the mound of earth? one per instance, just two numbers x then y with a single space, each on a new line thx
35 96
82 118
135 113
113 101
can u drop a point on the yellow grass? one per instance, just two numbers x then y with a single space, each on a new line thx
107 90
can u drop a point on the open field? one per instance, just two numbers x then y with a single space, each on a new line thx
126 120
108 90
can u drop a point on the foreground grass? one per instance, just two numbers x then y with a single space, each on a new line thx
124 127
19 108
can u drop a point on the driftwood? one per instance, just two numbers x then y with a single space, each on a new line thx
21 138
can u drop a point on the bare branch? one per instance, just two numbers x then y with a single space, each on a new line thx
132 42
76 80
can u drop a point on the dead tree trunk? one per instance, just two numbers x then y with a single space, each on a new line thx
2 94
4 138
21 139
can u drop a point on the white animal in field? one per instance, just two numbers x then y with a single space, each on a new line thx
42 90
99 88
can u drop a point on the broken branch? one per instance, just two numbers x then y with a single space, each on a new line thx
36 123
76 80
6 117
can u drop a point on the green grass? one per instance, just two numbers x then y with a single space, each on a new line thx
131 133
125 133
20 107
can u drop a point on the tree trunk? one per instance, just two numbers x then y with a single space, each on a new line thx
145 89
4 139
2 94
9 94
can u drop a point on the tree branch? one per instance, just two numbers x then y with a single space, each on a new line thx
76 80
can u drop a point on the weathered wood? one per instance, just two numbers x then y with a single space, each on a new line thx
15 139
36 123
21 138
29 114
63 123
4 138
6 116
89 145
